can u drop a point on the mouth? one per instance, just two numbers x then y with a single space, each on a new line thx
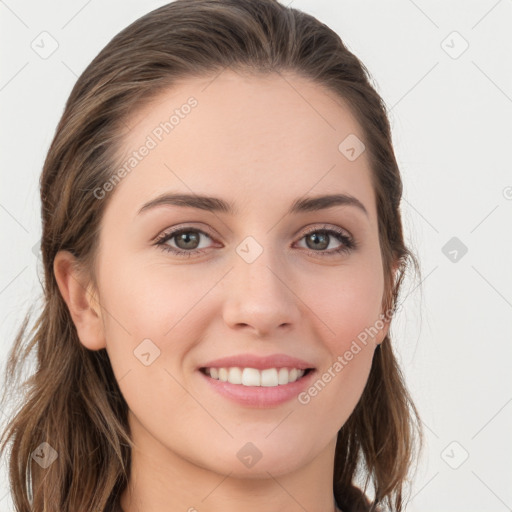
253 377
261 388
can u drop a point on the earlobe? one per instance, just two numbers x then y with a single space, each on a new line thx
83 306
384 331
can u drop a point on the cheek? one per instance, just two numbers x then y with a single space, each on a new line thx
150 300
154 319
348 318
348 306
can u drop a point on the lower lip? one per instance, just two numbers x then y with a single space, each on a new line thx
260 396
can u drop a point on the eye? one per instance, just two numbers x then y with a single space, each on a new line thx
187 241
320 239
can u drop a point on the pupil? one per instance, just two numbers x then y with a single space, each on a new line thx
185 237
315 237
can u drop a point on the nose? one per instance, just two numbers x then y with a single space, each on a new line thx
259 296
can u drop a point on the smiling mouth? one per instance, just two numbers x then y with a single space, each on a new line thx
252 377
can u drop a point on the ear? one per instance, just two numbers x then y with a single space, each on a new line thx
81 300
386 314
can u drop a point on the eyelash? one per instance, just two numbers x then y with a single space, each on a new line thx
348 243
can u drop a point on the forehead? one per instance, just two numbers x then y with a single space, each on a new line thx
244 137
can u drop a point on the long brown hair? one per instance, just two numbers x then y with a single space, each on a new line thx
72 400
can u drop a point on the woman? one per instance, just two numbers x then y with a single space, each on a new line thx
223 252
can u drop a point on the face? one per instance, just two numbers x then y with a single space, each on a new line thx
183 283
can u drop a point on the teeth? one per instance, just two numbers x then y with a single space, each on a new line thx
270 377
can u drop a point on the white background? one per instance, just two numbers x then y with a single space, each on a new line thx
452 129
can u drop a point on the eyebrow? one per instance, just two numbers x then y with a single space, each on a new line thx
215 204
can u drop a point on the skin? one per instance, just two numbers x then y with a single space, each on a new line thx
259 142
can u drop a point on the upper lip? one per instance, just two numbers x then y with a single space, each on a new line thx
258 362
